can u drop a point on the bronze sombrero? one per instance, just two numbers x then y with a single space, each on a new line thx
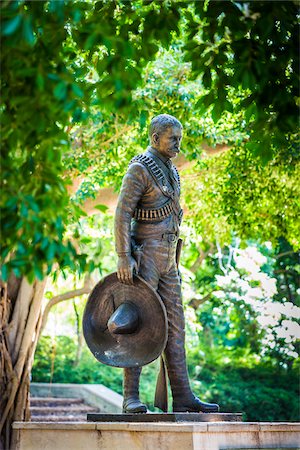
125 325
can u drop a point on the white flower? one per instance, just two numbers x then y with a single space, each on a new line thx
249 259
219 294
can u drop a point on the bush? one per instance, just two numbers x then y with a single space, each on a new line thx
55 362
261 393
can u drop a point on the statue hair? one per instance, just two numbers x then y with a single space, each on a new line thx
159 124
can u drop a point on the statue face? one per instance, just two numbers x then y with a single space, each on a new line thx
168 143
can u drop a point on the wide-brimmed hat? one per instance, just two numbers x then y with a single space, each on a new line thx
125 325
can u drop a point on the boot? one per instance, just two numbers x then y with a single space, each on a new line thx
132 403
183 398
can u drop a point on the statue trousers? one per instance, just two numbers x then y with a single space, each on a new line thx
158 268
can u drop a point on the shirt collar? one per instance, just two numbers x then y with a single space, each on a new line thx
155 152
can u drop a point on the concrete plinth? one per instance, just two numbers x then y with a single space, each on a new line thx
158 436
165 417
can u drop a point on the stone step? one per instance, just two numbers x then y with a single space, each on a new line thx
58 409
59 418
55 401
75 409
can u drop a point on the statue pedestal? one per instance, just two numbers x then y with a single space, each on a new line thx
156 436
165 417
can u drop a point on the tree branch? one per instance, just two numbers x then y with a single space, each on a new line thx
219 148
86 289
202 255
290 252
196 302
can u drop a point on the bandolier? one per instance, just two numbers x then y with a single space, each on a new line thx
172 205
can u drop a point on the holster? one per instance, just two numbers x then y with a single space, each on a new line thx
137 252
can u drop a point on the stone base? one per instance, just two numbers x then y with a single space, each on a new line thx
158 436
165 417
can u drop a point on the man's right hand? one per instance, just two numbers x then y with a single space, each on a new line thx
126 266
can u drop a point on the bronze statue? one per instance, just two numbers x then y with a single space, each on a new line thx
147 222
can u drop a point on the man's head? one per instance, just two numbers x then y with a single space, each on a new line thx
165 135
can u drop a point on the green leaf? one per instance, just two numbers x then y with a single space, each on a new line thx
60 90
21 248
250 111
45 243
40 82
24 210
38 272
79 212
85 240
143 118
206 79
27 31
4 252
102 208
77 91
4 272
228 106
51 251
30 277
205 102
216 111
11 26
17 272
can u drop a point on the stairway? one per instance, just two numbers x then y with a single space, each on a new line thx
52 409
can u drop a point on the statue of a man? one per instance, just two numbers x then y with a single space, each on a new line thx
148 215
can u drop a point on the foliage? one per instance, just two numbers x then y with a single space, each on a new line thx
94 237
59 59
265 210
286 270
40 96
238 194
251 48
169 85
261 393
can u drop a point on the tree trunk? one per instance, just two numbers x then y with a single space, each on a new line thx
20 319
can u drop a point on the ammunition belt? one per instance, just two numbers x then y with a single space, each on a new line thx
159 214
154 215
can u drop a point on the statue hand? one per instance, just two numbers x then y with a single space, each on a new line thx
126 266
